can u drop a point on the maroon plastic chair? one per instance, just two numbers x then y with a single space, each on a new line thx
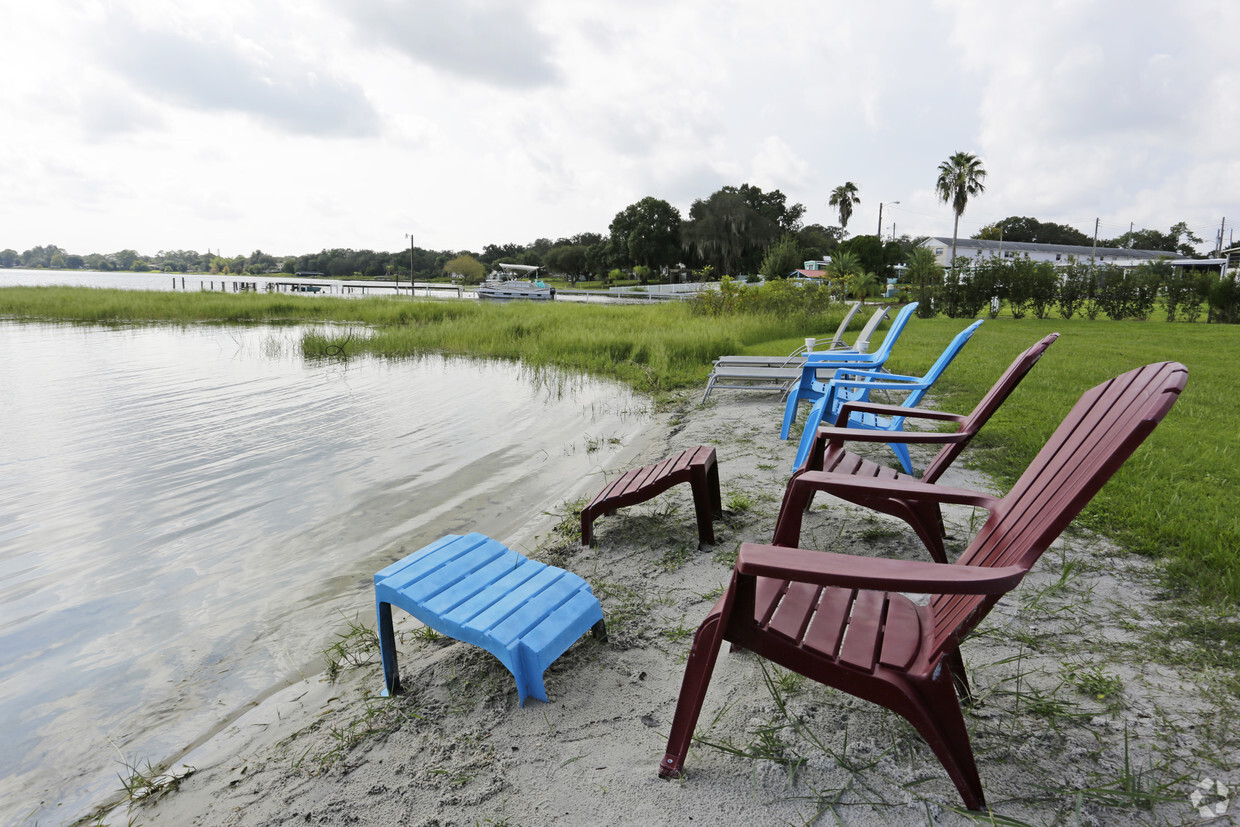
925 517
841 620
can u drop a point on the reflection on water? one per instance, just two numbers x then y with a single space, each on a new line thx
186 515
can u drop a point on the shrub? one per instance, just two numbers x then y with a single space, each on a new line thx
1044 289
780 297
1225 300
1073 287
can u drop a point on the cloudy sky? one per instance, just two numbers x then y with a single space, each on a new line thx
236 125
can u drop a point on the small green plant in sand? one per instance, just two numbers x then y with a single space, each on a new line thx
425 634
738 502
1098 684
144 781
1133 787
674 556
356 646
679 632
568 524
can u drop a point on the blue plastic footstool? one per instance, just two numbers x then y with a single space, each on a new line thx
476 590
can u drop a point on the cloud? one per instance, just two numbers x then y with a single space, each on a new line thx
495 43
231 74
1091 109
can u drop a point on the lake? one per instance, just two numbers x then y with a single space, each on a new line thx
189 515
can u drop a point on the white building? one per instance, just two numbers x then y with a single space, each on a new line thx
1054 253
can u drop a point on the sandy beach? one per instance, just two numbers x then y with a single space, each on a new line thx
1085 715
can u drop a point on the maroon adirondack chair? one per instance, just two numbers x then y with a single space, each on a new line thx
925 516
841 620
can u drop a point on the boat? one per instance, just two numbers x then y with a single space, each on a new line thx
515 289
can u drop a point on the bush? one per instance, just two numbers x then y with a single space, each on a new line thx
1183 292
780 298
1074 287
1044 289
1225 300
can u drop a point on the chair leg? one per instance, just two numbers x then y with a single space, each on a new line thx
703 502
790 411
960 677
698 671
387 649
587 526
901 452
811 431
712 488
937 716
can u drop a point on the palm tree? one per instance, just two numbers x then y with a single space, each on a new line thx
960 177
842 269
843 197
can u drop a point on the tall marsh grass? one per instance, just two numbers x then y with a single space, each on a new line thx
1176 500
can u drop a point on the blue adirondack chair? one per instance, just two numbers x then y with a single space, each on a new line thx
811 389
855 386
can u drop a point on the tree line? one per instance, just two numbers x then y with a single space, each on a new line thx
736 231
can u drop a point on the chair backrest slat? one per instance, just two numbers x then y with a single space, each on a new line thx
867 333
838 339
990 403
1101 431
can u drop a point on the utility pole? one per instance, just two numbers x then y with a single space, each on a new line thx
880 216
1221 227
410 237
1093 255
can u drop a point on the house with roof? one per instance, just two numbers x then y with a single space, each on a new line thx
1054 253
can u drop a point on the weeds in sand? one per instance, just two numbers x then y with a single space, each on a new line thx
628 610
1097 684
738 502
1133 787
458 780
675 556
726 556
786 683
425 634
568 527
147 782
878 531
770 744
594 444
378 716
356 646
678 632
100 822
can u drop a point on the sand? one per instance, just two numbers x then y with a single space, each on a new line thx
1084 714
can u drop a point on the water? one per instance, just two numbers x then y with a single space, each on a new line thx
15 277
188 516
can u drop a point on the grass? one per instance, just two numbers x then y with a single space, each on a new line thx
1175 500
358 645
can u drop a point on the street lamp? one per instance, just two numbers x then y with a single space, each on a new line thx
880 217
410 237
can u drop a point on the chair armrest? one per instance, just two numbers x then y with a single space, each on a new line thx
865 376
841 357
824 568
862 491
887 383
903 488
862 406
899 410
840 435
